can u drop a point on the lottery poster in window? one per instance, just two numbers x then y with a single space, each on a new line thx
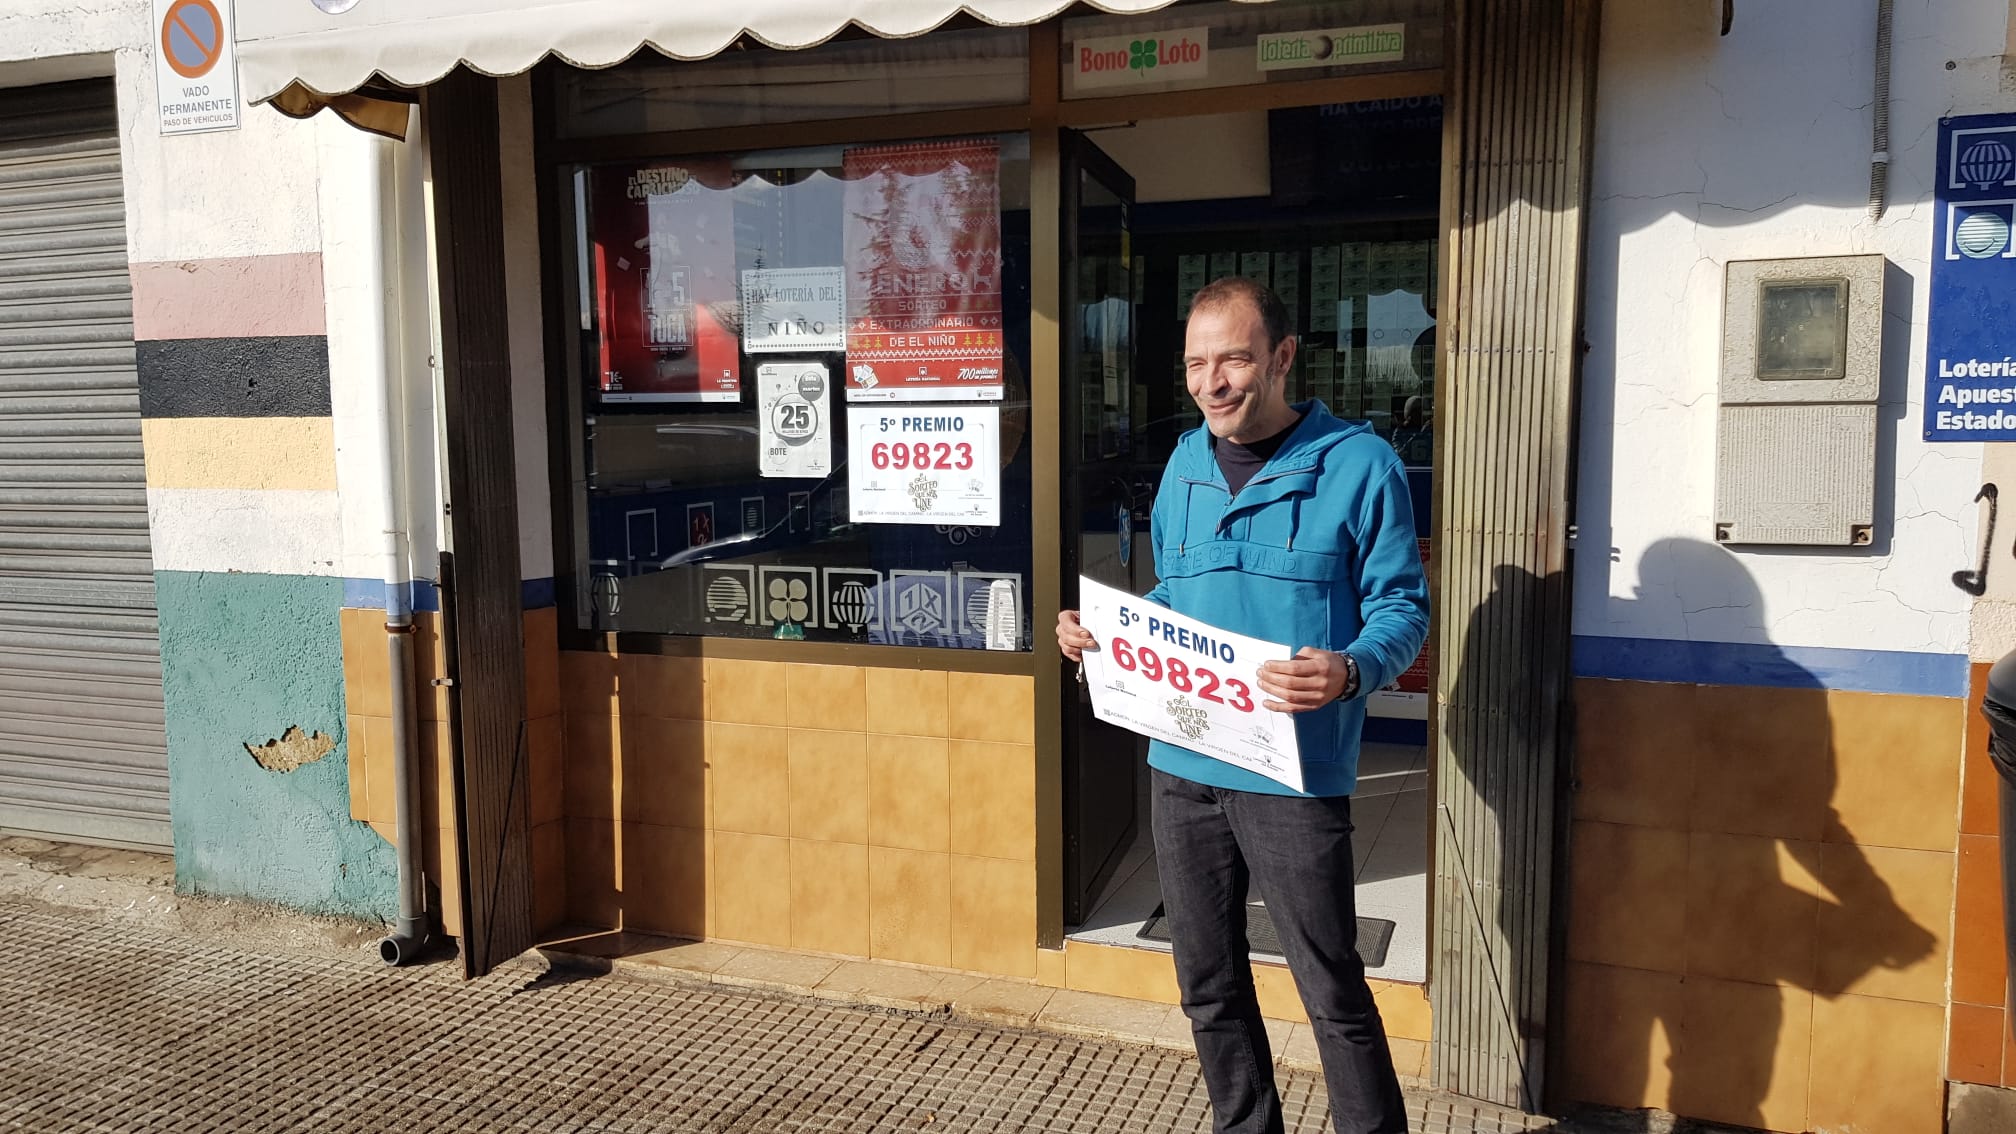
797 437
923 254
663 244
1173 678
933 465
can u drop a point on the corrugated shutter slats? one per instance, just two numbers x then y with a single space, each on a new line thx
82 752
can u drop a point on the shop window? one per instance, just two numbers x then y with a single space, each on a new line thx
1226 44
801 404
847 78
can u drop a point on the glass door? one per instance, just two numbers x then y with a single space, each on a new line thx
1102 509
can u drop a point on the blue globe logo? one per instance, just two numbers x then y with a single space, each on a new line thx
1982 233
1987 162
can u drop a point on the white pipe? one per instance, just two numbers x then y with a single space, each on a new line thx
381 340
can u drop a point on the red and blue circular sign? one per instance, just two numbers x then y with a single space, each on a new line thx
192 37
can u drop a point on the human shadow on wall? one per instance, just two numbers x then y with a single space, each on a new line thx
1709 880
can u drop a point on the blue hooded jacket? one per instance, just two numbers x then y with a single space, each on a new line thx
1317 550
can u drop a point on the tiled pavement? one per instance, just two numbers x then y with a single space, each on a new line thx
117 1025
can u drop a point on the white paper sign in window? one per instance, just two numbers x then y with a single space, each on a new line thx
797 432
924 465
793 309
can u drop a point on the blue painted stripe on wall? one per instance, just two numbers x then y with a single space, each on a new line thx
1781 667
369 594
538 594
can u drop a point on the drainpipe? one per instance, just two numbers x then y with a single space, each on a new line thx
1879 158
380 328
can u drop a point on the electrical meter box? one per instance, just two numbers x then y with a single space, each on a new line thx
1795 439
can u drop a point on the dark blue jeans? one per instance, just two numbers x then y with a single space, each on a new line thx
1210 845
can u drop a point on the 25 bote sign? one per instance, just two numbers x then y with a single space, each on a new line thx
1177 55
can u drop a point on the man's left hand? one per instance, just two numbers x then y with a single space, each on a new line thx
1311 680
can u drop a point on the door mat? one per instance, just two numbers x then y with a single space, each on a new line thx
1374 934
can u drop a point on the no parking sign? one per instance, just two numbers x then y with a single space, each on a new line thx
195 66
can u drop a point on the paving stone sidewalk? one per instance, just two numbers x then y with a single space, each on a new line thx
115 1022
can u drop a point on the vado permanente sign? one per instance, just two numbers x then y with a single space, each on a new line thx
1179 55
1334 47
195 66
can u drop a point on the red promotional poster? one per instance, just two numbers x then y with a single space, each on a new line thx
664 250
1415 679
924 272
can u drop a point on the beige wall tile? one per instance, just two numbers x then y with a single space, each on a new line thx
829 897
1876 1066
752 889
668 891
1752 910
549 876
593 773
1980 964
1762 765
1274 987
906 701
540 638
1744 1055
588 683
1140 974
1050 970
380 784
669 687
1634 756
994 916
1620 1035
430 663
993 800
366 668
434 748
1898 770
1404 1009
908 792
1883 922
829 785
442 862
593 895
354 745
665 772
546 741
826 696
910 906
991 706
749 765
1627 903
744 692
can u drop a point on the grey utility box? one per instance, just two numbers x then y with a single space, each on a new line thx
1795 438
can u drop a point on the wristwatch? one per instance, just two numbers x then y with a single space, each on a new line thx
1350 678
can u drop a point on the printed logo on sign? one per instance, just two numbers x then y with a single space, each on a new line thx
923 492
1979 230
1983 158
1333 47
1190 718
922 606
1173 56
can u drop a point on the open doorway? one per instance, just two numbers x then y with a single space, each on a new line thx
1335 208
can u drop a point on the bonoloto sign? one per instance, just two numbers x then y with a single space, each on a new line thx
1177 55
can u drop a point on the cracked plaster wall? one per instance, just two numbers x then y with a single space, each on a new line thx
1712 149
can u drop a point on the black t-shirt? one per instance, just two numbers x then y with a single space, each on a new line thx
1240 462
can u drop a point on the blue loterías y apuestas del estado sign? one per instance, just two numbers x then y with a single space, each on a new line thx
1970 341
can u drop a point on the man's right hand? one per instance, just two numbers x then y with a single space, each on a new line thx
1072 638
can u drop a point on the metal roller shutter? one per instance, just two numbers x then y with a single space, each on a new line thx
82 751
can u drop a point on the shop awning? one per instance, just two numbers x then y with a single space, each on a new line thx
317 49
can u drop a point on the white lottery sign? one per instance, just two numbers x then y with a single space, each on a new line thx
1172 678
924 465
793 309
797 439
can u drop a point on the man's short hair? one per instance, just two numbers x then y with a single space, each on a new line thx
1242 289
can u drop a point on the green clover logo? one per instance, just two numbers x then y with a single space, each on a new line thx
1142 52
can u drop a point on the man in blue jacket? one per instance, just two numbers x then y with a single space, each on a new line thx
1281 522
